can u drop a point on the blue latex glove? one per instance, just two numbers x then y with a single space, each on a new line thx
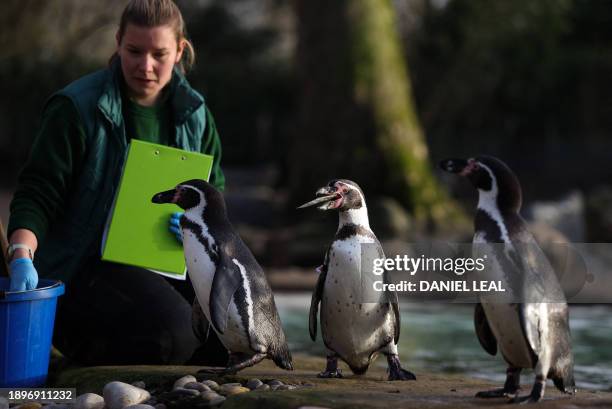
175 225
23 275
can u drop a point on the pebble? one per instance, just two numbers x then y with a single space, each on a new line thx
211 384
212 398
139 384
118 395
89 401
179 393
263 387
181 382
227 385
233 390
200 387
275 382
254 383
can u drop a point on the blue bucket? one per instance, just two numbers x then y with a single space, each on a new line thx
26 329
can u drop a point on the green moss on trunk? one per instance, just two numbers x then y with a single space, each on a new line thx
359 119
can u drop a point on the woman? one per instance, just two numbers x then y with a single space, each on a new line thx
111 314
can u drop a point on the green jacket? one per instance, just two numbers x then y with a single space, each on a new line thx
75 235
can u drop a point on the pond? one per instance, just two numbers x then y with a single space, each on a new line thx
441 338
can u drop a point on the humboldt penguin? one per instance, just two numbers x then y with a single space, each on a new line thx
230 286
354 327
532 329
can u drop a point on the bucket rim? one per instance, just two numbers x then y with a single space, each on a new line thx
50 289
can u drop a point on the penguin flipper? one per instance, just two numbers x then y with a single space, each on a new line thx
394 301
317 294
483 331
225 283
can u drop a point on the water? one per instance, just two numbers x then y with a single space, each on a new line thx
441 338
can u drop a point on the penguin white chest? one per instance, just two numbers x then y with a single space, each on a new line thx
200 267
348 325
201 270
503 318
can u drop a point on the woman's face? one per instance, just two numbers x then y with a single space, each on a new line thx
148 55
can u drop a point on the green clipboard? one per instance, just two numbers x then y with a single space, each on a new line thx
137 230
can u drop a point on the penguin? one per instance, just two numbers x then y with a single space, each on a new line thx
533 334
230 286
352 330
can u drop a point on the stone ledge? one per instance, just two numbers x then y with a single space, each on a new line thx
369 391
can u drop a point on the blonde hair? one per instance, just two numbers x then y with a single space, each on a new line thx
154 13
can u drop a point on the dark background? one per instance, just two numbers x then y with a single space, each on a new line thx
528 81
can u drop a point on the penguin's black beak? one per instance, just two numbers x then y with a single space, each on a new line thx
325 198
462 167
169 196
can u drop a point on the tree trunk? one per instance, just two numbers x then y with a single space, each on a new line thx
357 118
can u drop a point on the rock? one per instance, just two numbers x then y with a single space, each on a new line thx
227 385
229 390
197 386
212 398
565 215
181 382
4 403
56 406
140 406
263 387
286 387
118 395
254 383
179 393
139 384
160 406
389 219
276 382
211 384
89 401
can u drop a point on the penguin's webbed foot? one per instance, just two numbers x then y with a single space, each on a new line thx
337 373
523 400
396 372
496 393
235 367
570 391
217 371
537 393
401 375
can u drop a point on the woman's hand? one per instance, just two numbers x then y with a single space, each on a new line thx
175 226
